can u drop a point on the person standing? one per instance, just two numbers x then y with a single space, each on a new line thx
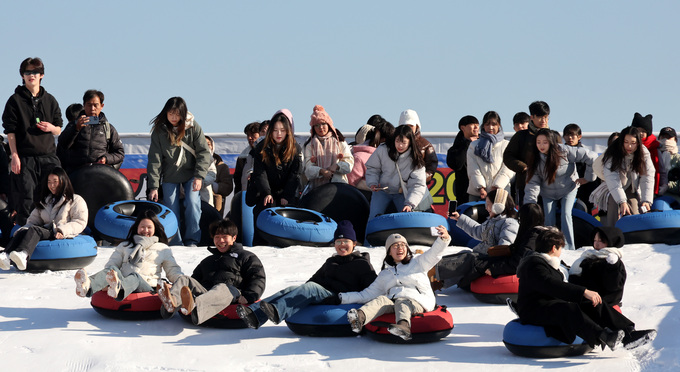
31 119
456 157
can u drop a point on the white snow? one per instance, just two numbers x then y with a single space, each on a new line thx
45 326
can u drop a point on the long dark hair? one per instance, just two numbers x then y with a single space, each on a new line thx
553 157
288 145
617 153
404 131
65 188
173 104
530 215
159 230
389 260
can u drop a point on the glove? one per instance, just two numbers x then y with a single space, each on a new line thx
331 300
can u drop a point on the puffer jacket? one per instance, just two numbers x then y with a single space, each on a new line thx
381 170
76 148
281 181
404 281
361 154
498 230
69 218
488 175
163 156
345 273
156 256
236 267
618 182
565 176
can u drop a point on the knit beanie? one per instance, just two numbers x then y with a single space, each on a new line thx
643 122
321 116
394 238
345 230
410 117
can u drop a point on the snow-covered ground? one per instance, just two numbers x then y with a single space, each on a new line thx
45 326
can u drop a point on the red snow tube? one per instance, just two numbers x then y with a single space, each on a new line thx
136 306
428 327
226 319
495 290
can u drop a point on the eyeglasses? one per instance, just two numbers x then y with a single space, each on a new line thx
32 72
343 241
398 245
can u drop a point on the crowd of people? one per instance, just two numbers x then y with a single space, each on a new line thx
392 165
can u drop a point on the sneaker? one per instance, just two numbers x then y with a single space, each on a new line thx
114 283
638 338
187 300
611 339
356 319
168 300
270 311
401 329
82 283
248 316
4 261
512 305
19 258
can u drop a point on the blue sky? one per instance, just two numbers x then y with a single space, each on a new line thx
595 62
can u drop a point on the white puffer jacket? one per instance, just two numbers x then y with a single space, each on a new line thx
69 218
382 170
618 181
488 175
404 281
155 256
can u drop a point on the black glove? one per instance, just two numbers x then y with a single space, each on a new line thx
331 300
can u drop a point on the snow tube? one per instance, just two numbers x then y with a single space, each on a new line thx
651 228
322 321
665 203
530 341
476 211
63 254
100 185
339 201
431 326
584 224
242 215
136 306
414 226
225 319
113 221
286 226
495 290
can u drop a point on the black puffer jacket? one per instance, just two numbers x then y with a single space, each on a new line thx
236 267
78 148
281 181
351 273
20 115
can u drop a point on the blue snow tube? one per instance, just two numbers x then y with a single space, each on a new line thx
414 226
651 228
113 221
322 321
665 203
247 222
286 226
63 254
475 210
531 341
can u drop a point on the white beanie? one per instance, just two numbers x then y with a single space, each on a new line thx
394 238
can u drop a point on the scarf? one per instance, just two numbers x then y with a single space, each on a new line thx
326 150
533 129
485 144
139 250
611 254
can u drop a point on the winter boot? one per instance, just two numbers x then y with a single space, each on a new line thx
114 283
248 316
270 311
611 339
82 283
638 338
187 300
356 319
401 329
168 300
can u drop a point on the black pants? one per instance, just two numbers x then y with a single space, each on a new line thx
26 240
25 186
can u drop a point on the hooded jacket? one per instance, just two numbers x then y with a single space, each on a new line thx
382 170
69 218
236 267
361 153
345 273
21 115
163 155
155 256
488 175
77 148
404 281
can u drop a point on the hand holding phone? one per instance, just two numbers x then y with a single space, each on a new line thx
92 120
453 205
434 231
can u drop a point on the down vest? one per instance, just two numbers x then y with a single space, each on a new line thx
156 256
69 218
404 281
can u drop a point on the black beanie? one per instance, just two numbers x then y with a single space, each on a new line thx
643 122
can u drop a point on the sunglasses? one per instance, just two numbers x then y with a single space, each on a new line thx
32 72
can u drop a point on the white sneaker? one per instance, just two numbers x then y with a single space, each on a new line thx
82 283
4 261
19 258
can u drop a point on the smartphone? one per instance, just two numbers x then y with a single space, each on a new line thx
453 205
433 231
92 120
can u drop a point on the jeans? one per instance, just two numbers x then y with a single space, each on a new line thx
380 200
567 221
192 209
292 299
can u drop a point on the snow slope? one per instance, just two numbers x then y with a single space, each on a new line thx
45 326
